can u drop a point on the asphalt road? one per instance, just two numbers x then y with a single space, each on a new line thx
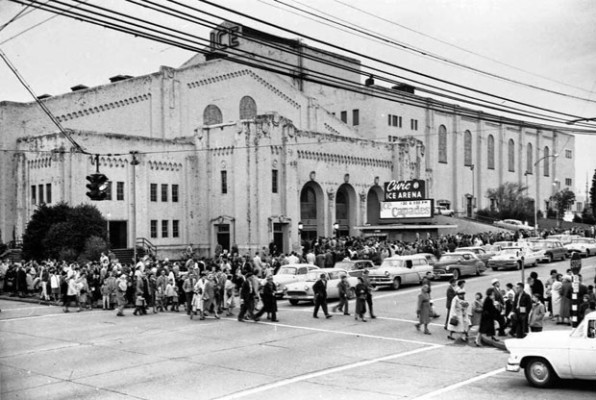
47 354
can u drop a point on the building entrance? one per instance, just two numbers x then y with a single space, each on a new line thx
117 234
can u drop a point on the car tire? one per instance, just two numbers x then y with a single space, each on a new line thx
456 274
396 283
550 258
477 271
539 373
294 302
495 269
519 265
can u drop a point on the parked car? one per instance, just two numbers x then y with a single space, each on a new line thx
480 252
431 258
442 210
460 263
564 238
547 356
586 247
513 258
549 250
401 270
302 291
513 224
290 273
355 267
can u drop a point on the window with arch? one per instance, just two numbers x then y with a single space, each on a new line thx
490 157
212 115
530 159
511 155
442 144
467 148
308 204
248 108
546 161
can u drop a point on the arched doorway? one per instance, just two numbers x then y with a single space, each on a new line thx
312 213
373 205
345 209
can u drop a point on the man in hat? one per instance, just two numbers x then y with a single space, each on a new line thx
343 287
369 290
320 291
499 305
269 300
247 297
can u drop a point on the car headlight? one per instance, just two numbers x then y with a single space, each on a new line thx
447 268
386 273
306 288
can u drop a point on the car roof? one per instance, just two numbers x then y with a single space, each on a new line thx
299 265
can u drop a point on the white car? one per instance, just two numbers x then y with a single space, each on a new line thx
442 210
401 270
514 258
546 356
513 224
586 247
290 273
302 291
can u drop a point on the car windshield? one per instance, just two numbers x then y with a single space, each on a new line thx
450 258
581 329
510 251
287 271
581 241
392 263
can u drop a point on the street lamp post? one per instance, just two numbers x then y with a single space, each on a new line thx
536 199
473 191
336 229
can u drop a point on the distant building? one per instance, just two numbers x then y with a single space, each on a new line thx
235 154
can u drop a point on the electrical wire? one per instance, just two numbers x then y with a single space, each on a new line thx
386 40
327 83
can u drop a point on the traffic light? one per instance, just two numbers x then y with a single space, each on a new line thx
98 187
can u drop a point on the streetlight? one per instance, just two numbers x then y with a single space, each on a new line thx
300 228
537 179
108 215
473 191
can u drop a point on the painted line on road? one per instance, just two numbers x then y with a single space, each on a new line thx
460 384
311 375
413 321
29 308
365 335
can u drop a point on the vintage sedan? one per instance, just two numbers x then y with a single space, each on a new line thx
586 247
547 356
355 267
480 252
290 273
513 224
549 250
513 258
302 291
454 265
401 270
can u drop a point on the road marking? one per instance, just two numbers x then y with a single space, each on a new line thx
311 375
460 384
306 328
29 308
407 320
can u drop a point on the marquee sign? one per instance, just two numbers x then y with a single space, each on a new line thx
407 209
224 37
405 190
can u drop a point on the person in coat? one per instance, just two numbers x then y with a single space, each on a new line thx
522 304
490 314
536 317
361 290
320 291
209 297
566 293
269 300
121 287
556 298
423 309
451 291
343 287
459 322
369 290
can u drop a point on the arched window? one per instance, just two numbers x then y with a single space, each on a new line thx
490 157
212 115
467 148
308 204
546 161
442 144
511 155
530 159
248 108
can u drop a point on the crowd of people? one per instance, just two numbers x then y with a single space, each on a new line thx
512 310
218 285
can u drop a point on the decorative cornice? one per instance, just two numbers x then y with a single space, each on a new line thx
343 159
331 129
103 107
164 166
244 72
42 162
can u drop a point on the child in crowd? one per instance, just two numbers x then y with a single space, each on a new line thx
170 294
477 310
175 303
105 295
536 317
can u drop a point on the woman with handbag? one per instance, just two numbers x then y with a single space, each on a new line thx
423 309
459 322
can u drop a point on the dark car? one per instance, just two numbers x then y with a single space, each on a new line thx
454 265
355 267
480 252
549 250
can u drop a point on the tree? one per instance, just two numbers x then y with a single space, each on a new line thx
512 201
593 194
62 231
563 200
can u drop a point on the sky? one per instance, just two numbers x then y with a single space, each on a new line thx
548 44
